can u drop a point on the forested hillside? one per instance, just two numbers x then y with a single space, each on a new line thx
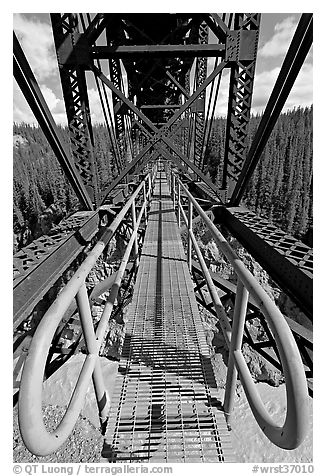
39 182
281 187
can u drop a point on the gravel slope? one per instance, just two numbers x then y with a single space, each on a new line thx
83 446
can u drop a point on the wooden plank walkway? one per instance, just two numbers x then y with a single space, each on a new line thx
163 403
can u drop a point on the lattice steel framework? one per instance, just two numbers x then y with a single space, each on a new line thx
201 73
157 52
116 78
66 37
243 63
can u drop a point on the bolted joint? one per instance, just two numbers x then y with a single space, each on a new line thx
198 105
74 51
241 45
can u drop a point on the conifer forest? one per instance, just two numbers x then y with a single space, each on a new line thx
280 188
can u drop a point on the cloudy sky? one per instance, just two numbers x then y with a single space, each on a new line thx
35 36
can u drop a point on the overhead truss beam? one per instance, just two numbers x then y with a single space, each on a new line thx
162 51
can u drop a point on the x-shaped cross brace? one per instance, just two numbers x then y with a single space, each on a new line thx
160 135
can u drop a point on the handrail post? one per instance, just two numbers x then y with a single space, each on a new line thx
134 225
93 348
145 201
149 177
179 204
190 209
173 190
239 317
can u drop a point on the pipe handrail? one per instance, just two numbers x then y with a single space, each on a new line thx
33 431
291 434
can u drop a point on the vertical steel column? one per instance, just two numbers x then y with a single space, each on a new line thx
297 52
201 73
239 317
115 76
72 73
241 51
188 116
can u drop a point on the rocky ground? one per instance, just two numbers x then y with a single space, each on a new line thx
83 446
249 442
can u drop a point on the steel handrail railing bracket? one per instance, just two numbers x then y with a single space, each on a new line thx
294 429
33 431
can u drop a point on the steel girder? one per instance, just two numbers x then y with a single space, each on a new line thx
114 30
72 73
76 53
202 50
265 344
241 51
39 265
201 73
161 134
288 261
128 36
116 78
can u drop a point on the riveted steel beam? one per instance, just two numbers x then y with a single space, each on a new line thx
176 83
287 260
302 335
162 51
142 163
161 133
39 265
199 119
66 37
96 27
241 50
220 29
121 96
177 114
184 159
194 96
160 106
126 170
116 78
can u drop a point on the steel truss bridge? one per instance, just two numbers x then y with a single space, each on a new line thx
158 93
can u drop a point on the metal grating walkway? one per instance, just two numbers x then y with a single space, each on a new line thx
162 408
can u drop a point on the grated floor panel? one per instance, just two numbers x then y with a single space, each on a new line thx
162 408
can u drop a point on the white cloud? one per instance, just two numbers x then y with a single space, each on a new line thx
95 106
50 98
36 39
22 112
300 95
280 41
